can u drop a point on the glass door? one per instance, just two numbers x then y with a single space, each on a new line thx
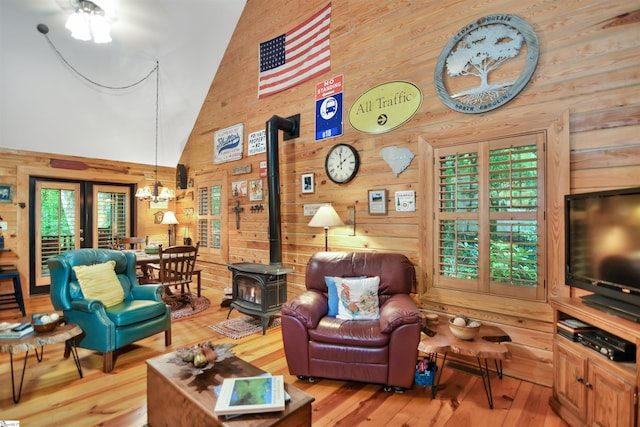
112 213
71 215
57 225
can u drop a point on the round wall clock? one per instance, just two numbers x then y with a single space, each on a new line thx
342 163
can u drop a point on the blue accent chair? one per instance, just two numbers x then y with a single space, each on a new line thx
142 313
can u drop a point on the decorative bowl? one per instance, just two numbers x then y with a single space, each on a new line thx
467 331
151 250
44 323
45 327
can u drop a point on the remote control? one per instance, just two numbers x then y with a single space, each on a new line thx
21 327
427 331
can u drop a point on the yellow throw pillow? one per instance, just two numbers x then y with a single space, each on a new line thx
100 282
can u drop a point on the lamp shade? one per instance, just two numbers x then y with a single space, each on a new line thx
169 218
326 217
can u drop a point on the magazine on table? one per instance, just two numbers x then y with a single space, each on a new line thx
15 330
250 395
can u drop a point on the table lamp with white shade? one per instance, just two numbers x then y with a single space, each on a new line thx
326 217
170 219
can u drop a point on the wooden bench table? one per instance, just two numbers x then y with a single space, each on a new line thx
35 340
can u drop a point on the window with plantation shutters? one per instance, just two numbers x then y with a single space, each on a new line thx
203 216
211 218
209 199
489 217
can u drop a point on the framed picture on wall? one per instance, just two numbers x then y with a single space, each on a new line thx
377 202
159 205
307 183
6 193
255 190
157 217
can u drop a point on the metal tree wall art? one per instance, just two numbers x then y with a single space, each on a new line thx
463 76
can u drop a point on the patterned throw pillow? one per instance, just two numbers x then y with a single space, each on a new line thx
332 293
100 282
357 298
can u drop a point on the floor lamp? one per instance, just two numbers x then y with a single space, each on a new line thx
170 219
326 217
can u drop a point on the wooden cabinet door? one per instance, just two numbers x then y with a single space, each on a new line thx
611 399
570 375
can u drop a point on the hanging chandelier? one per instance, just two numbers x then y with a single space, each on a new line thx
89 22
156 193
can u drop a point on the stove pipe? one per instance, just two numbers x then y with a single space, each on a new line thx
273 125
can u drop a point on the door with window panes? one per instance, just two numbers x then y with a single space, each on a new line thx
71 215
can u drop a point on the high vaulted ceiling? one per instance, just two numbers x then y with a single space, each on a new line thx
46 107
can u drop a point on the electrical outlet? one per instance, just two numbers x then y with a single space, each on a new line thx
3 225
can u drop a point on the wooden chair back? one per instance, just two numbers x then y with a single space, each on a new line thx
176 264
132 242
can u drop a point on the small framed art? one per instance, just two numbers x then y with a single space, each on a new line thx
159 205
377 202
255 190
6 193
307 183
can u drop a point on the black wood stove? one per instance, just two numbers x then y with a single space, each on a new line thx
259 290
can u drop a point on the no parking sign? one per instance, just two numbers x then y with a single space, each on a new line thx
329 108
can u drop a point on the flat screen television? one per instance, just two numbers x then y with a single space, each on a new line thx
602 236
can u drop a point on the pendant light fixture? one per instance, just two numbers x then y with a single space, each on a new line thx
156 193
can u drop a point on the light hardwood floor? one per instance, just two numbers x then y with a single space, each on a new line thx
54 395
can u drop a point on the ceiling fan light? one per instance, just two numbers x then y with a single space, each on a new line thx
78 24
89 22
100 29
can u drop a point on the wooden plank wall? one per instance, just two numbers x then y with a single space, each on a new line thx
587 79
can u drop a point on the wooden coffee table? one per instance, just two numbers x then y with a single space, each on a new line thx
175 397
486 345
35 340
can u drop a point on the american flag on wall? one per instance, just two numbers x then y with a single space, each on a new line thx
298 55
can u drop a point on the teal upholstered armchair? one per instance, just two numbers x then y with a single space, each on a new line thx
141 314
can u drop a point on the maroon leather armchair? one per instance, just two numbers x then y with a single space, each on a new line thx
382 351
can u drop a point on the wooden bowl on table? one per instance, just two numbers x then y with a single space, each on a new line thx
464 328
46 323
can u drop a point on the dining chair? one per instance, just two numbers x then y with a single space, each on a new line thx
175 271
132 242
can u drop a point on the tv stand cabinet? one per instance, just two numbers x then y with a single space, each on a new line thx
588 388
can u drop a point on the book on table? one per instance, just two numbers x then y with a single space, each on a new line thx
250 395
15 330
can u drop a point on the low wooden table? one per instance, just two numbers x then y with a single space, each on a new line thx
62 333
486 345
175 397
